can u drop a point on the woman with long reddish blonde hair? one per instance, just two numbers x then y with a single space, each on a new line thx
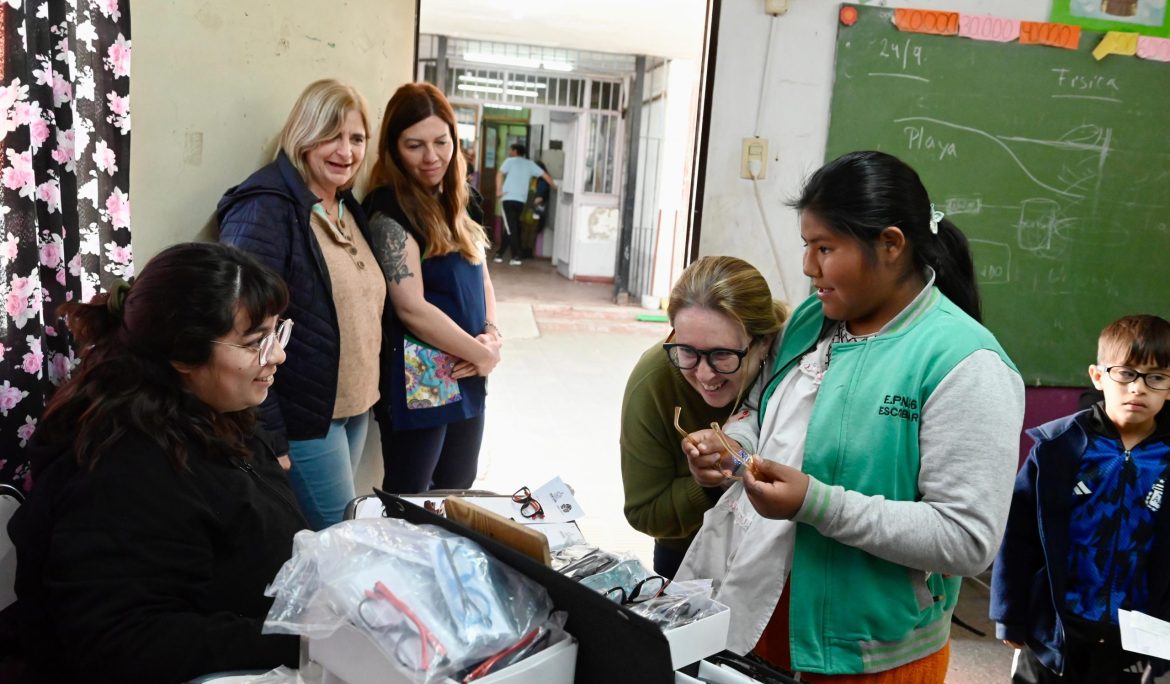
440 338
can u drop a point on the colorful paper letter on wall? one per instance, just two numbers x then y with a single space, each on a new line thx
995 29
1157 49
926 21
1054 35
1116 43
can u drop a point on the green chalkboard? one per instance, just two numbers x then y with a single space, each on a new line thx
1055 165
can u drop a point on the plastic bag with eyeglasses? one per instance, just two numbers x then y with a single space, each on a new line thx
680 603
433 602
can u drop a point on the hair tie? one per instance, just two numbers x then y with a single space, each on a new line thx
116 301
935 217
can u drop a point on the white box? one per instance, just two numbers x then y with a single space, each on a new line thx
701 638
350 656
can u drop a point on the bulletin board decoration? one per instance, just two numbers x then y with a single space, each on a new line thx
1145 17
1001 30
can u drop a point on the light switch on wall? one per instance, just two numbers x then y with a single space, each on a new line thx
753 163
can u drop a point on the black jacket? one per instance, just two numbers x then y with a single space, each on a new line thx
268 216
138 572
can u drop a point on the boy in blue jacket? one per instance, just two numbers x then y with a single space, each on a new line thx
1089 528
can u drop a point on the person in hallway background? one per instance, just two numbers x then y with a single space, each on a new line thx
441 340
725 322
887 436
1089 530
299 218
158 512
513 178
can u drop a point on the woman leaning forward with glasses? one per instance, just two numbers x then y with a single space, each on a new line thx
725 322
158 512
298 217
441 341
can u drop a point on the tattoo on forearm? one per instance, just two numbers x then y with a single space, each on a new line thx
392 248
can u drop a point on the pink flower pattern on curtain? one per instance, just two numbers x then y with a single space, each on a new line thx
64 192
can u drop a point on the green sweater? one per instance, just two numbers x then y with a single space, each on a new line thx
662 499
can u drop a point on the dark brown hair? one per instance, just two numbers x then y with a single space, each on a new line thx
185 298
1141 340
441 218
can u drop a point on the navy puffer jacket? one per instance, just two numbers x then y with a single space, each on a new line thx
268 216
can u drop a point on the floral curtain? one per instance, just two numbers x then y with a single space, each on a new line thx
64 191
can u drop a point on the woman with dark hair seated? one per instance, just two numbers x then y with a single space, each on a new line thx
158 514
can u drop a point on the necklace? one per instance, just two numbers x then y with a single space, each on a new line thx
841 335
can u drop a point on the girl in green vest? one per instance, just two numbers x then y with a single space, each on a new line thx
887 440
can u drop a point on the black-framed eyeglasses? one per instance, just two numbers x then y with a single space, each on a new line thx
686 357
265 345
594 562
529 507
1125 375
649 588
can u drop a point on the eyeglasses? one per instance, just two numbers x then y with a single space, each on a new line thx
591 564
265 345
1126 375
529 507
686 357
382 610
649 588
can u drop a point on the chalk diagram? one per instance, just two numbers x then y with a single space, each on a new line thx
1062 205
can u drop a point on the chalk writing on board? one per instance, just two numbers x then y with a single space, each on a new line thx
1077 140
905 53
918 139
912 77
994 261
964 205
1067 79
1037 224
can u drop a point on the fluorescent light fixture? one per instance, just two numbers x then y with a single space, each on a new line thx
516 61
480 89
481 80
521 93
506 60
526 84
514 108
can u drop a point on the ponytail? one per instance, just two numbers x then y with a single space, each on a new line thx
949 254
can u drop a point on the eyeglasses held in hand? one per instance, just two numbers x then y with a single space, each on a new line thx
265 345
529 507
1125 375
686 357
649 588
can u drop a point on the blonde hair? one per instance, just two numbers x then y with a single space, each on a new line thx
442 218
318 116
732 287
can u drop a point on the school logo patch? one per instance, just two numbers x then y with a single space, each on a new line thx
1154 498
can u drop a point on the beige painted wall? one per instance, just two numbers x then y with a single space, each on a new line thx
213 80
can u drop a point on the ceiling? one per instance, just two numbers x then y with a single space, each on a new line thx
662 28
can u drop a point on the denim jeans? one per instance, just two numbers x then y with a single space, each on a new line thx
322 469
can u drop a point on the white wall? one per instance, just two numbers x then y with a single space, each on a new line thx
214 80
795 120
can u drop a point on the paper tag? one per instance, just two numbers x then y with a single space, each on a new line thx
927 21
1141 633
994 29
1157 49
1053 35
1116 43
558 501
